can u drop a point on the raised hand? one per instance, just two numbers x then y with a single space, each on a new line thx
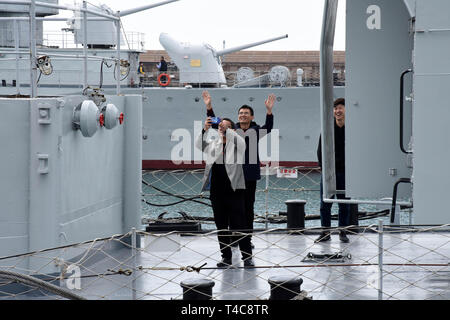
270 101
207 99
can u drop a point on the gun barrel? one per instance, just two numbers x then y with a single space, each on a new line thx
131 11
170 44
245 46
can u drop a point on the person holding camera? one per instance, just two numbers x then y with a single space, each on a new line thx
252 133
224 177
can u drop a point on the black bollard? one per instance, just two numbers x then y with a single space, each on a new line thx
284 287
295 213
197 289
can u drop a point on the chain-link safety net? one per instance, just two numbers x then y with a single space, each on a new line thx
167 193
378 263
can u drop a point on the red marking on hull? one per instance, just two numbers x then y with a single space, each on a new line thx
169 165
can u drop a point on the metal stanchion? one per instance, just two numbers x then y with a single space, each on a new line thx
380 259
133 253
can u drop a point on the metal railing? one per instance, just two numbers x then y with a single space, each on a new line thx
379 262
260 80
175 191
32 39
83 14
65 39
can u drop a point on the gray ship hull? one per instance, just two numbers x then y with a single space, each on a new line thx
296 116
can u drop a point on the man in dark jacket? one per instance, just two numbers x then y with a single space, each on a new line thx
252 133
162 65
339 156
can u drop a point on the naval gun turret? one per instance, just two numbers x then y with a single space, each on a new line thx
200 63
9 29
103 32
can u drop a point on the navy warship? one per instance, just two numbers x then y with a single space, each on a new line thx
62 65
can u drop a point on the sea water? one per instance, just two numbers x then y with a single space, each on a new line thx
167 185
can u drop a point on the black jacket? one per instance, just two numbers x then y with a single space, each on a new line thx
252 171
163 65
339 148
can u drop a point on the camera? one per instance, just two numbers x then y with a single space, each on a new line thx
215 120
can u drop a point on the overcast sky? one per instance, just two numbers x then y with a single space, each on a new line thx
236 22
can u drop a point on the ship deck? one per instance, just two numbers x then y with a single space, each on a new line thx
415 266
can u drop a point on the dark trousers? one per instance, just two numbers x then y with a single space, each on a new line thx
250 190
229 215
344 208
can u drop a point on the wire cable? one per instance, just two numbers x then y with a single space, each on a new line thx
101 71
177 196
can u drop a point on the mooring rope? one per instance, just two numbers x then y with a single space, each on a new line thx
176 196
